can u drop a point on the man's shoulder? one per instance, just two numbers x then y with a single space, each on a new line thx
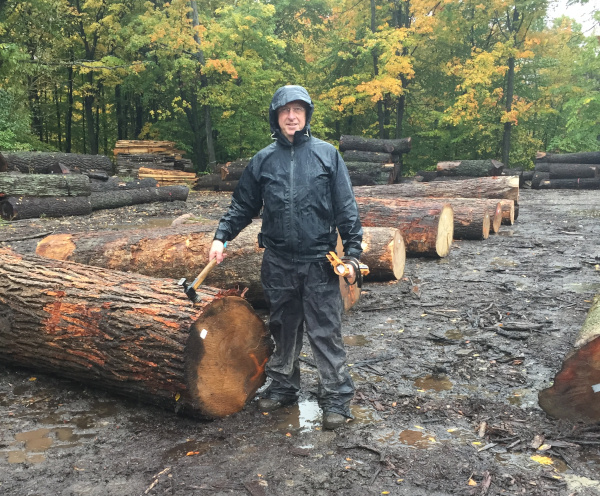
260 155
320 144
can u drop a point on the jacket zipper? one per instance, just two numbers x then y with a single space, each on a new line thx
294 241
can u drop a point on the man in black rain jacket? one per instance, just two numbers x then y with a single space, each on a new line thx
303 188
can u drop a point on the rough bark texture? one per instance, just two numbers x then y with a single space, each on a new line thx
538 177
369 179
572 171
583 183
472 168
427 226
363 156
44 185
114 183
167 177
123 332
571 158
123 198
31 207
574 394
475 218
214 182
481 187
394 146
231 172
42 162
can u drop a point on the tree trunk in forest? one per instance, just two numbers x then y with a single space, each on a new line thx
482 187
395 146
583 183
58 118
44 162
572 171
31 207
70 107
123 198
427 226
574 393
128 334
510 90
568 158
44 185
363 156
88 104
472 168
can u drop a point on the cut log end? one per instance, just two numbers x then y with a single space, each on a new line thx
496 217
225 357
398 250
445 232
56 246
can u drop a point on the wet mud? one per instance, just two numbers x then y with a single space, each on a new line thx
447 364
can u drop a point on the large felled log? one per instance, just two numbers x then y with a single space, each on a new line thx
363 156
394 146
475 218
570 158
114 183
509 212
572 171
427 226
44 185
214 182
232 171
127 333
384 253
167 177
583 183
538 177
43 162
122 198
472 168
574 394
480 187
31 207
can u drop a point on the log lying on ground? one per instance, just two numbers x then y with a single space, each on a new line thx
214 182
384 252
394 146
44 185
475 218
3 164
31 207
538 177
571 158
114 183
127 333
43 162
472 168
364 156
123 198
167 177
232 171
509 212
572 171
182 251
583 183
481 187
574 394
427 226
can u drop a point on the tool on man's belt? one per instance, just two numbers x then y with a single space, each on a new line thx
341 267
190 289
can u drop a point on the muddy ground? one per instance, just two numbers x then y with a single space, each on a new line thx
446 402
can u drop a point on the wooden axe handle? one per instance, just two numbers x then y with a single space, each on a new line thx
210 266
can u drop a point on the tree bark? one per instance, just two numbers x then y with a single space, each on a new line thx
32 207
537 178
483 187
574 393
232 171
570 158
583 183
44 185
427 226
214 182
127 333
475 218
573 171
123 198
114 183
394 146
364 156
43 162
167 177
471 168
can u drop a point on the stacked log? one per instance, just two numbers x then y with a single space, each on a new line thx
134 335
470 168
167 177
182 251
567 171
232 171
49 162
131 155
213 182
373 161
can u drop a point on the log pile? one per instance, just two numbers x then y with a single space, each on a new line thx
224 177
567 171
131 155
49 162
373 161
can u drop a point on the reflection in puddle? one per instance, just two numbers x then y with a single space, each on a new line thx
583 287
409 437
37 440
434 382
357 340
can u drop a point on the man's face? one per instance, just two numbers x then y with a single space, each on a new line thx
291 118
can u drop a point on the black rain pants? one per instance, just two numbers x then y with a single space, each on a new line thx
306 295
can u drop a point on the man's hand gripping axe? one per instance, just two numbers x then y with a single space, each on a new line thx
341 266
190 289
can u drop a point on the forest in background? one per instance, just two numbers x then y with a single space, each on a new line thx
466 79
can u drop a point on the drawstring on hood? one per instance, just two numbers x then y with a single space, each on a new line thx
283 96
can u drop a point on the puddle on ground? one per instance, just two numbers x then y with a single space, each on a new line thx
356 340
189 448
307 415
414 438
434 382
583 287
501 262
454 334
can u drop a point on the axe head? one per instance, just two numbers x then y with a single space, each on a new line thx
189 290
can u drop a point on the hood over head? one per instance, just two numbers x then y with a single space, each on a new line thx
287 94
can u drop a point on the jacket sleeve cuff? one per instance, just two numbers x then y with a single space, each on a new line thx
354 253
221 236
